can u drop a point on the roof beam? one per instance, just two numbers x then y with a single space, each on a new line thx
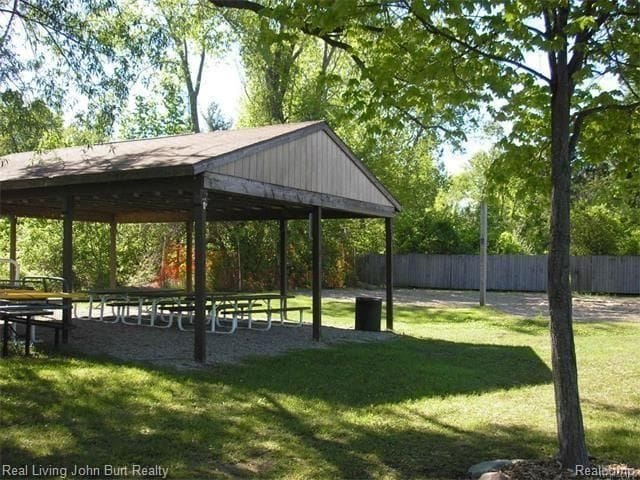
251 188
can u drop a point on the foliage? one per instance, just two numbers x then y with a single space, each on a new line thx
150 118
51 47
596 231
138 251
26 126
189 28
518 216
269 53
215 119
509 244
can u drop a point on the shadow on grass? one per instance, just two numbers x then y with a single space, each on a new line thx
281 416
432 449
99 413
198 426
358 375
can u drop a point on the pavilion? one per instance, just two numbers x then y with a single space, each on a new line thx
277 172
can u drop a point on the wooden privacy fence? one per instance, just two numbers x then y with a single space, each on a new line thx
594 274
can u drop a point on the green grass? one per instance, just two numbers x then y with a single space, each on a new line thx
456 387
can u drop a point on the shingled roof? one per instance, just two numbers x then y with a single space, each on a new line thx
298 165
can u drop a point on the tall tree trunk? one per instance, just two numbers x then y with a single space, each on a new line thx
193 111
571 439
193 90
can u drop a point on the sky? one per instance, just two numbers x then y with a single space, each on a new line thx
223 82
455 161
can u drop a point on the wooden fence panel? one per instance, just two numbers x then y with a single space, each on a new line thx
596 274
581 279
602 274
465 272
440 271
370 269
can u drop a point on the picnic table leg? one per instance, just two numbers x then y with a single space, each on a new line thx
5 338
213 316
152 314
90 313
140 302
27 337
56 337
103 299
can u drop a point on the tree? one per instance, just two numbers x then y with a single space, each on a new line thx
215 119
50 47
438 62
154 116
25 126
270 53
188 27
518 211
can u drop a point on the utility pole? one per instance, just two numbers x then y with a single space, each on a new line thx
483 253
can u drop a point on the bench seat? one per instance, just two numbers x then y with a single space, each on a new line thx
281 311
26 317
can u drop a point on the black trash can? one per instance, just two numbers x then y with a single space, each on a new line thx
368 312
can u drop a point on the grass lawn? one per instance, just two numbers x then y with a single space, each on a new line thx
457 386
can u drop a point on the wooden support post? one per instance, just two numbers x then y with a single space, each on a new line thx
13 245
316 233
189 267
200 218
388 223
67 263
113 241
284 281
483 253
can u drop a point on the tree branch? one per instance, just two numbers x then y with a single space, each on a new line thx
423 125
583 115
582 38
241 5
304 28
203 54
14 11
431 28
28 19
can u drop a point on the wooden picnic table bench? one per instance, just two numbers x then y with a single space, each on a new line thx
25 314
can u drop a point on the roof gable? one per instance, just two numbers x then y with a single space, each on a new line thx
313 162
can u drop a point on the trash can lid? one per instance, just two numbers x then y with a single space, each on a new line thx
368 299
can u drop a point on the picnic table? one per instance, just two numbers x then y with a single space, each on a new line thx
123 298
166 306
24 295
237 307
14 299
25 314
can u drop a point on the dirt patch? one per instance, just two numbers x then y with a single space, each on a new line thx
171 346
586 308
